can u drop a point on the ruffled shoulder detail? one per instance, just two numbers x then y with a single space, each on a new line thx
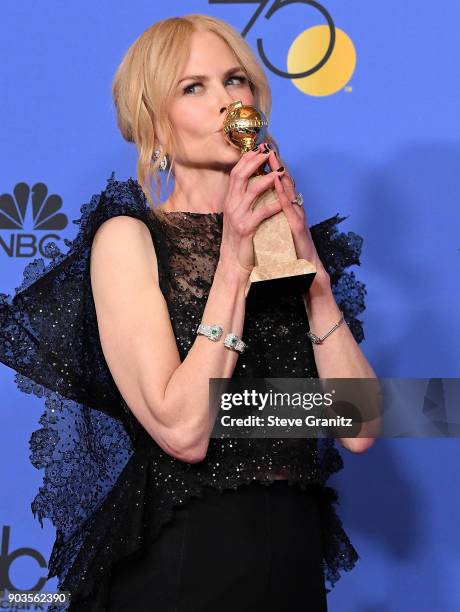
57 296
118 198
48 335
337 251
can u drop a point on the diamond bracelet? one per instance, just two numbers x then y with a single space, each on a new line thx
214 333
233 342
317 340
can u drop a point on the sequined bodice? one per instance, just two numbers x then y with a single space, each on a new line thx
188 248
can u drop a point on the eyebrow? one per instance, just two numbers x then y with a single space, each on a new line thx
203 77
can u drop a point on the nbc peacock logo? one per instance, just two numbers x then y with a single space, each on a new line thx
30 210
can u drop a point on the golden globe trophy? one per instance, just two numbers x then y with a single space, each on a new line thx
277 268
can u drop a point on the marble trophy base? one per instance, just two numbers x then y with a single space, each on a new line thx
277 268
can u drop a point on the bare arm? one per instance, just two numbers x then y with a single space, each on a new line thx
169 398
340 355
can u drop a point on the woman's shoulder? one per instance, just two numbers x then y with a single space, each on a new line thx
124 197
117 198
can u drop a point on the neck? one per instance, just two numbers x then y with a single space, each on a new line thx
198 190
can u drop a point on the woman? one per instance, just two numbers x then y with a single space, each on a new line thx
149 510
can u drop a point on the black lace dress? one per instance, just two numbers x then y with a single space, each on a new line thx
100 466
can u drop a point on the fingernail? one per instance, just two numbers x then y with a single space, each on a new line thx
266 150
280 169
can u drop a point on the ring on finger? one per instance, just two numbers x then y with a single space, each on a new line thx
298 199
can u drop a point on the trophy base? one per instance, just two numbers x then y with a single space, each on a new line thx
286 278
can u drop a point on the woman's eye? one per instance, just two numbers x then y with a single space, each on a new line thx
186 90
241 79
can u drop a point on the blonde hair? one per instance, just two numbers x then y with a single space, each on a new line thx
146 81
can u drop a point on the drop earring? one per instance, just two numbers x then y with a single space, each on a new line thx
164 161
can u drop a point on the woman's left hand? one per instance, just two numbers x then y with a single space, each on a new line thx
303 241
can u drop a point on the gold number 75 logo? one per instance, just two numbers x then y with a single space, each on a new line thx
274 8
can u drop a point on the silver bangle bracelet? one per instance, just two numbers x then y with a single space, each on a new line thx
317 340
234 343
213 332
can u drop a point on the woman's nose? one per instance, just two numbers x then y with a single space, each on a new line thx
223 109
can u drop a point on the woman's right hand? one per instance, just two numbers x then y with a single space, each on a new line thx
240 222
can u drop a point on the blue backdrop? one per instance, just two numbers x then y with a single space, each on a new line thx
373 134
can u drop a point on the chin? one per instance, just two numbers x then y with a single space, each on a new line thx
232 158
226 153
223 162
232 152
